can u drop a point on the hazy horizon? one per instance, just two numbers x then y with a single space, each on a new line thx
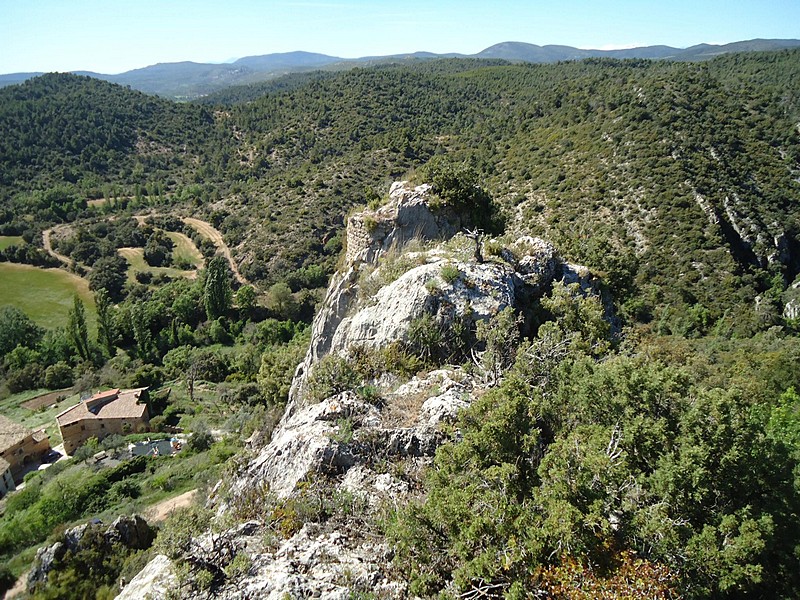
113 37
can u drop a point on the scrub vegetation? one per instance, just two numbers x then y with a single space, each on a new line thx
657 458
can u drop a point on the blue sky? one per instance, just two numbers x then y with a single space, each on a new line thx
111 36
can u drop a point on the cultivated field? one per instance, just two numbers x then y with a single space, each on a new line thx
14 408
135 258
10 240
185 249
45 295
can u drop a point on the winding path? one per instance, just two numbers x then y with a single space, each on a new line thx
48 246
202 227
215 236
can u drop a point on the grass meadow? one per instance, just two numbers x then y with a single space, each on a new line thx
185 249
45 295
135 258
10 240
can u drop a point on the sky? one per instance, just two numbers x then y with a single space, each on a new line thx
113 36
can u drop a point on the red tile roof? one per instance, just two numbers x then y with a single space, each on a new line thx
11 433
126 405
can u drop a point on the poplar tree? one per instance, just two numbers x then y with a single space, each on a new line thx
217 293
77 329
105 325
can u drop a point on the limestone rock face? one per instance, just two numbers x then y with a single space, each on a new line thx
485 288
316 564
370 234
406 216
311 441
306 443
43 563
351 316
791 301
154 581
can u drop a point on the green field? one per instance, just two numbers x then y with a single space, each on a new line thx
10 240
185 249
45 295
135 258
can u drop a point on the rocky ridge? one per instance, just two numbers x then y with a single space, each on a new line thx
354 452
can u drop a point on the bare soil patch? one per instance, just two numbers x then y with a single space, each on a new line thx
159 512
47 399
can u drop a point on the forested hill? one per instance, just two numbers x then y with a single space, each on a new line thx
678 180
68 128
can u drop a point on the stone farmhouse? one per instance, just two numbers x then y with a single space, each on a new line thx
105 413
6 480
20 447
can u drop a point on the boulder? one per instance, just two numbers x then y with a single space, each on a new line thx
155 581
133 532
46 556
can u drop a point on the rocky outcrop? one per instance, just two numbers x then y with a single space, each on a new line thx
760 243
484 289
307 442
437 281
791 301
405 217
154 581
317 564
311 441
372 447
369 235
131 532
331 561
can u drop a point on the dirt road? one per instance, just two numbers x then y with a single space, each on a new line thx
215 236
48 246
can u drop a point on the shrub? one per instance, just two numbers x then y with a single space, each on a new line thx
457 187
450 273
331 376
201 439
58 376
27 378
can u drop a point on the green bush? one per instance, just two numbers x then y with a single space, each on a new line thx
457 187
450 273
331 375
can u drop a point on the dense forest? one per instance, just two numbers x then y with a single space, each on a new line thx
610 149
678 184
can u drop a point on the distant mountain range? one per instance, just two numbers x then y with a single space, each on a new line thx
189 80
